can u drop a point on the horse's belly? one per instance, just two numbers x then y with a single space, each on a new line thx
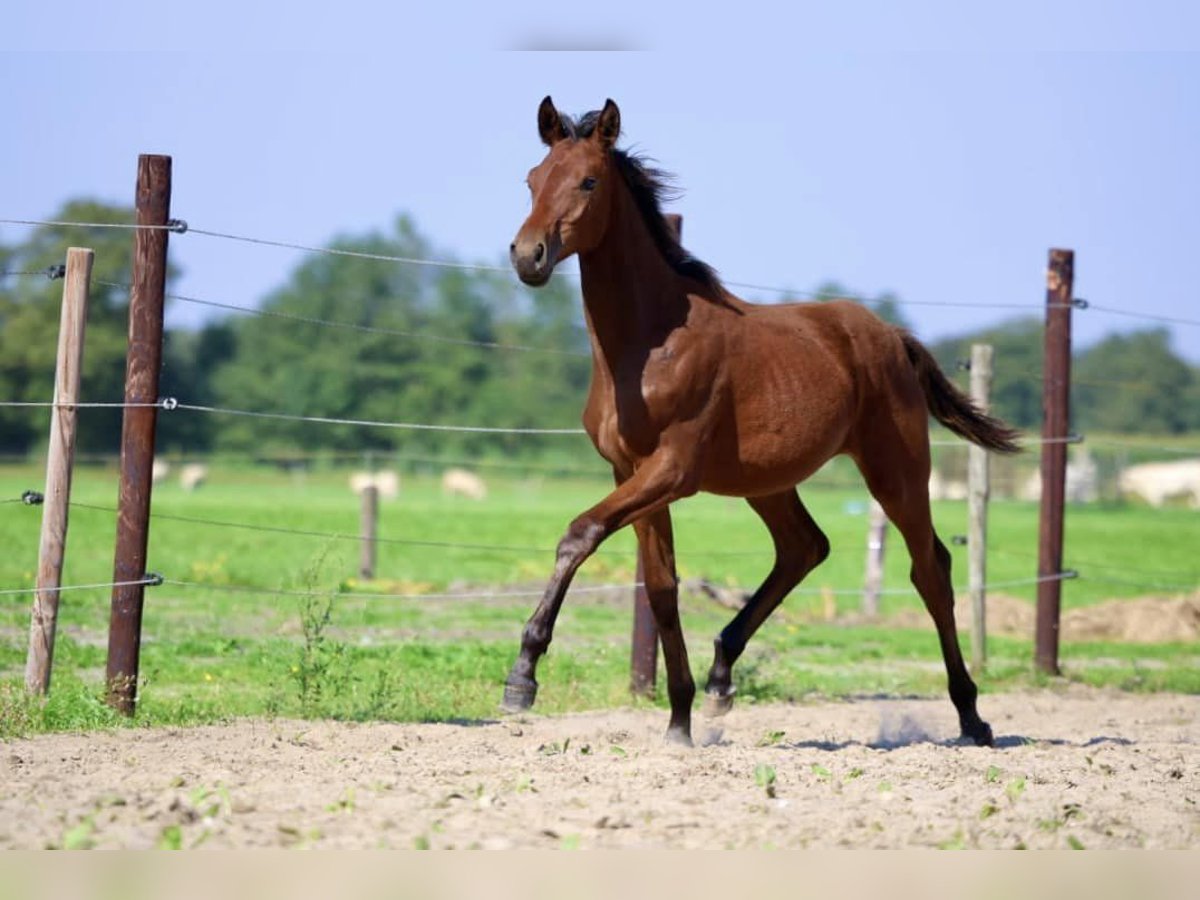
775 457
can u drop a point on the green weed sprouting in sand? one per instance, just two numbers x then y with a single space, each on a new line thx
320 661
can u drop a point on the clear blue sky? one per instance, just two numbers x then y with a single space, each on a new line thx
939 176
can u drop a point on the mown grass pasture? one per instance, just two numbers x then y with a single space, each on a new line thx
273 622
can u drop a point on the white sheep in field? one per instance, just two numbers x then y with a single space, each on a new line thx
386 483
159 470
1157 482
460 482
193 475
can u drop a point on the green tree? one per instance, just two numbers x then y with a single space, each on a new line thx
412 355
1016 378
1133 382
30 308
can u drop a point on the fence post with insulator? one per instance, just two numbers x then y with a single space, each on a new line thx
142 365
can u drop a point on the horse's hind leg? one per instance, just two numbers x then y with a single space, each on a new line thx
800 546
900 483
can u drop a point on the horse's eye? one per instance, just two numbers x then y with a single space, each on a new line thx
587 184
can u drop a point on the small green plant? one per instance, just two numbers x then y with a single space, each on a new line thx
821 772
1074 843
993 775
1015 789
319 663
170 838
344 804
771 738
764 777
989 810
82 836
955 843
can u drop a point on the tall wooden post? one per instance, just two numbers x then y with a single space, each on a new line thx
643 658
143 361
876 546
60 460
978 492
367 529
1056 392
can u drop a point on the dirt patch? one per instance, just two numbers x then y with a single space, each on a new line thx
1077 767
1142 620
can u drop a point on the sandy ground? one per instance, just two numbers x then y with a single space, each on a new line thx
1071 767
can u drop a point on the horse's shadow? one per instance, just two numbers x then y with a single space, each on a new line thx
1002 742
908 732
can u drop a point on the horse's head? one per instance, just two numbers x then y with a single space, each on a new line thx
572 190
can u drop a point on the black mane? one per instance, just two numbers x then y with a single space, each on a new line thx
650 188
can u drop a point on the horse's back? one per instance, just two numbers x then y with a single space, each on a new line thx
804 378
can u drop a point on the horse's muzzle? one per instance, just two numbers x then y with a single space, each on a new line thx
533 260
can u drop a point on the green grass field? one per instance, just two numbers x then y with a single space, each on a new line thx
212 649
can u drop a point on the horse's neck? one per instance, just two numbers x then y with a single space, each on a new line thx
632 296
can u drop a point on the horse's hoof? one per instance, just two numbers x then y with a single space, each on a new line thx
677 736
518 697
981 734
717 705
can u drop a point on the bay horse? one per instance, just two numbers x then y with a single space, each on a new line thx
694 389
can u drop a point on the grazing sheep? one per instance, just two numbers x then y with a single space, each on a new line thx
159 470
193 475
386 483
462 483
1158 482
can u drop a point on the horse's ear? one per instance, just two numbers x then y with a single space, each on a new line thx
608 126
550 125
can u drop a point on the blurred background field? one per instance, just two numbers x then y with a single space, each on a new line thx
259 621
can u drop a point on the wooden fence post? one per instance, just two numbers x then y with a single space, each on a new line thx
876 545
60 461
143 362
643 658
1056 415
978 492
367 528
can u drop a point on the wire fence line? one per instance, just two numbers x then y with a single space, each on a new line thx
1089 564
148 579
1156 448
365 329
176 225
83 404
170 404
50 272
765 550
373 423
370 595
1136 314
154 579
180 226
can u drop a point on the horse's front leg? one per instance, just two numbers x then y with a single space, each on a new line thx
656 483
657 545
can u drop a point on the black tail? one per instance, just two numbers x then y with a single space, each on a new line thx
952 407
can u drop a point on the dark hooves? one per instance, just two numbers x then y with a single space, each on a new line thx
717 704
518 697
981 734
680 737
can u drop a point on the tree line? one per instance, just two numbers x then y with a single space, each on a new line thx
407 348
